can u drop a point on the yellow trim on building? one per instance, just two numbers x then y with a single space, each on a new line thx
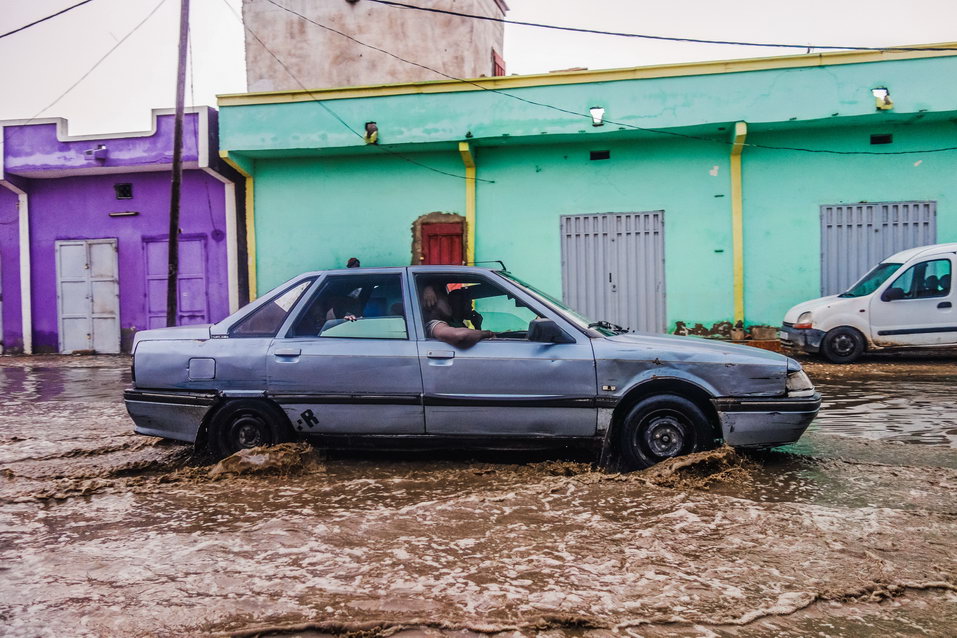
250 216
469 160
584 77
737 218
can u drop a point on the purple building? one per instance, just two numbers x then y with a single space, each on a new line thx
84 231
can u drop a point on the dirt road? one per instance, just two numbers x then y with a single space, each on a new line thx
851 532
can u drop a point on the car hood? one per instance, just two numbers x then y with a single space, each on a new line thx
193 332
822 303
691 349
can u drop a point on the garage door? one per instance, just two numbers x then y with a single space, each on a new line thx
613 267
855 237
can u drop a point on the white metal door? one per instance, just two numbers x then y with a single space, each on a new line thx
613 268
88 299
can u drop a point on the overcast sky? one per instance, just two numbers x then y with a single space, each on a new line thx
41 63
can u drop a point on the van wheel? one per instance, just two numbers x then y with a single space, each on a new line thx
842 345
247 423
661 427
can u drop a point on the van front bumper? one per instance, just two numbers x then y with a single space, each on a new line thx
806 339
765 422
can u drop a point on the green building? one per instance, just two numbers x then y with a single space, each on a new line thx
654 197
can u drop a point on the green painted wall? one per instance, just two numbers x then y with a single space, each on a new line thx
518 215
322 196
313 213
784 190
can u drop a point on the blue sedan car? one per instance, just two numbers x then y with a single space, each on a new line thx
349 357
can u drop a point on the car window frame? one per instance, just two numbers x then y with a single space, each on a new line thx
908 268
532 302
230 331
306 300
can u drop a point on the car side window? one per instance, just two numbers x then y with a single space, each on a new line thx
469 301
267 319
355 307
924 280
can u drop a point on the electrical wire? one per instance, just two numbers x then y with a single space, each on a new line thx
588 116
49 17
539 25
100 61
336 115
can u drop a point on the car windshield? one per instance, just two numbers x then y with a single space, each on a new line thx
572 316
872 280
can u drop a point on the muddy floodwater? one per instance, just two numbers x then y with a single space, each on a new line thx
850 532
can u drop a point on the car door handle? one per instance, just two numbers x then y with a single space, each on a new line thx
287 352
441 354
944 304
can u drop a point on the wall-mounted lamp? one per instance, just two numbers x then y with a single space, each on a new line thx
882 98
372 133
98 153
597 113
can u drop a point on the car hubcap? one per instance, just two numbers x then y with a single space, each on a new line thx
665 437
248 432
843 345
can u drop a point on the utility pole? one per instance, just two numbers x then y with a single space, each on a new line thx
171 283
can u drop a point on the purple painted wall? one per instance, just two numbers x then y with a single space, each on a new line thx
9 269
71 195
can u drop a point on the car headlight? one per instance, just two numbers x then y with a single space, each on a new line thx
798 384
804 322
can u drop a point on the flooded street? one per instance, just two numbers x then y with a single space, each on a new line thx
850 532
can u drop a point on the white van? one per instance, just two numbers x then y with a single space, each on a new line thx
906 301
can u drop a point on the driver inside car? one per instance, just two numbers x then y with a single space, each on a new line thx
440 319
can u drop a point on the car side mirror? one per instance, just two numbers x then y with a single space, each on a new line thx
547 331
892 294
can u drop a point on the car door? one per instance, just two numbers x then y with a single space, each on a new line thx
508 385
345 363
917 307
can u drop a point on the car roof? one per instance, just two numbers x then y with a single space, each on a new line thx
922 251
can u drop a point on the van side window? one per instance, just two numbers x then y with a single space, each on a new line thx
925 280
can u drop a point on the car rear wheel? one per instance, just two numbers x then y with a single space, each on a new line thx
245 424
842 345
661 427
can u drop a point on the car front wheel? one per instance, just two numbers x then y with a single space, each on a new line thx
661 427
842 345
245 424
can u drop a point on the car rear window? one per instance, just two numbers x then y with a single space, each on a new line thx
267 319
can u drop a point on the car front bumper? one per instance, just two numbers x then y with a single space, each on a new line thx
805 339
765 422
171 415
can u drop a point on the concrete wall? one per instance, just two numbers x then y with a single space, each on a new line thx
317 58
71 196
668 133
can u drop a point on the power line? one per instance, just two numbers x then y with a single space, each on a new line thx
49 17
539 25
100 61
336 115
587 115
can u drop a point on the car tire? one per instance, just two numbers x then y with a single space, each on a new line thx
842 345
244 424
661 427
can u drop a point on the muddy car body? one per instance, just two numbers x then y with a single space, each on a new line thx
288 366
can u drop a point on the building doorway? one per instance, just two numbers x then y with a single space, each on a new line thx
88 299
438 238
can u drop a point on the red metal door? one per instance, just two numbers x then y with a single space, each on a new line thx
442 243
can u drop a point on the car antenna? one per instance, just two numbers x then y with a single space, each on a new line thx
492 261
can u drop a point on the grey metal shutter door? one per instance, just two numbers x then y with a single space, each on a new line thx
856 237
613 268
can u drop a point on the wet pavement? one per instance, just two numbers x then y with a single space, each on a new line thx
850 532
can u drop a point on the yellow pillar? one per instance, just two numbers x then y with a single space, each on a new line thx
469 162
737 219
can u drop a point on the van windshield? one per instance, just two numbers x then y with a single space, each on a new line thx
872 280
